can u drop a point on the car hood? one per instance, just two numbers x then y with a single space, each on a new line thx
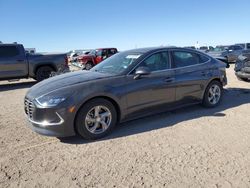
64 80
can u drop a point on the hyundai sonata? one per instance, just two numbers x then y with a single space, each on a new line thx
128 85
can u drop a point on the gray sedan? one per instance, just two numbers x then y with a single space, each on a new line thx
126 86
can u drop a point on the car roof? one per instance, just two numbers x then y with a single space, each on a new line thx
152 49
104 48
9 44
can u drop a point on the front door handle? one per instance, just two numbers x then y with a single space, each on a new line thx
20 60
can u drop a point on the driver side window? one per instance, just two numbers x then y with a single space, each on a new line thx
156 62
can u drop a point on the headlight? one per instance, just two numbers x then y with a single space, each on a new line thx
51 100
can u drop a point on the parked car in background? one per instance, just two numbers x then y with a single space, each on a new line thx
73 55
126 86
190 47
15 63
231 53
246 46
242 66
205 48
94 57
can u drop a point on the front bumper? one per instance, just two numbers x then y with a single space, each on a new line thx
56 122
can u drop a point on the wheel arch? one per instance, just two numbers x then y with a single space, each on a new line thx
44 65
213 79
110 99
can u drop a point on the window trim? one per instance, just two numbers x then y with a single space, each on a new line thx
160 51
172 61
170 51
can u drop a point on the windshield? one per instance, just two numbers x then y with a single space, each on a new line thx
117 63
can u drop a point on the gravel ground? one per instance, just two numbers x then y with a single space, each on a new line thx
190 147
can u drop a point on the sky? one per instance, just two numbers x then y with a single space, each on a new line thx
63 25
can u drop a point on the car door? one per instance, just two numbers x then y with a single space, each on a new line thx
154 92
12 62
191 75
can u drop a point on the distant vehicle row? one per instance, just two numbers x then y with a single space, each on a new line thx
230 53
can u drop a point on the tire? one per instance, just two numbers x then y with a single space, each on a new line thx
89 66
89 120
43 73
213 94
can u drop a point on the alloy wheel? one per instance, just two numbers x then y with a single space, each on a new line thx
214 94
98 119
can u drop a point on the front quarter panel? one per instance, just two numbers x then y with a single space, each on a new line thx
112 88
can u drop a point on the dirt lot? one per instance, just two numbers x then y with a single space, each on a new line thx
191 147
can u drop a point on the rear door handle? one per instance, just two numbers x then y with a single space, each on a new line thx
169 79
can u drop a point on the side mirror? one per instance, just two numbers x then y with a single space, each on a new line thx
141 71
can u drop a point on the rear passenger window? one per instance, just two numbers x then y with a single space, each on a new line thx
184 59
8 51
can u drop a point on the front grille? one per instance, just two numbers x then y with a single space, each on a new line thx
29 108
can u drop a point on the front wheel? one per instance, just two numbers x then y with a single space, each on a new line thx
96 119
213 94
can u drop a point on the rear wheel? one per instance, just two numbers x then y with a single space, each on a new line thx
96 119
43 73
213 94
